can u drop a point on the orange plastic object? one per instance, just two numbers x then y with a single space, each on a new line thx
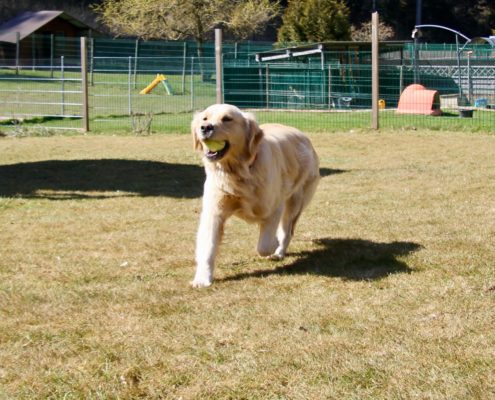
416 99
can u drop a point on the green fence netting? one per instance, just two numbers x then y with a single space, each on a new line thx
317 91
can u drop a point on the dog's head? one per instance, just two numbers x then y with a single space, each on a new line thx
225 133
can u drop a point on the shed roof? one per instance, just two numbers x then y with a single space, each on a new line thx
30 21
318 48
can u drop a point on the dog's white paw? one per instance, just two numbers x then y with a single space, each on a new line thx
203 276
198 284
278 255
201 282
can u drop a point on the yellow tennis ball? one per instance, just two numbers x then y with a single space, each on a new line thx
215 145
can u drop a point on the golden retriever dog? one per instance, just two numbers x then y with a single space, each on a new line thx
263 174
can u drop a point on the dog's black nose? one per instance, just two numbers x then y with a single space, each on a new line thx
207 129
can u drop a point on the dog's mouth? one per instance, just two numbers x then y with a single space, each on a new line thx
217 151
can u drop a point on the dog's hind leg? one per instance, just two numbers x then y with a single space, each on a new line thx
285 231
293 210
267 242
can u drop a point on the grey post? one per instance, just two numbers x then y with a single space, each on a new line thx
329 86
129 91
267 83
84 85
33 51
17 51
52 53
136 55
62 84
184 64
91 60
192 83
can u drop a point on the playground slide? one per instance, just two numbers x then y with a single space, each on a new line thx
159 78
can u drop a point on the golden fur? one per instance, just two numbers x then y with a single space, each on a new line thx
267 176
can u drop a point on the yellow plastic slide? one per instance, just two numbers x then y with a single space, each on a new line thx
159 78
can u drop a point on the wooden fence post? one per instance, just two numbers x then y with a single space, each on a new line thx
374 71
218 65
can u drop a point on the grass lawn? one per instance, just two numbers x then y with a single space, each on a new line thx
483 121
388 291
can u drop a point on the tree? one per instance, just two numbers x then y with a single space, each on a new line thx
315 21
181 19
362 33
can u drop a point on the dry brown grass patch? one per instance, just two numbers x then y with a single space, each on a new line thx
387 291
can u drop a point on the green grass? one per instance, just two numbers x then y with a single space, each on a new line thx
109 107
388 291
306 121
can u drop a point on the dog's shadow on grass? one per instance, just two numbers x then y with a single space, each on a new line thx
324 172
349 259
104 178
100 178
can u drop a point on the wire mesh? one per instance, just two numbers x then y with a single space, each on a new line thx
317 91
41 94
162 86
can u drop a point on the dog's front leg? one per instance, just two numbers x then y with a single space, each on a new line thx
209 236
208 239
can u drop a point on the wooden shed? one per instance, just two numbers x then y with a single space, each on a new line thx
26 34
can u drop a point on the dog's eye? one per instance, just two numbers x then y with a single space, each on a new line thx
226 119
204 119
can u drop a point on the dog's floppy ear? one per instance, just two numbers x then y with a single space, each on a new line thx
254 135
196 143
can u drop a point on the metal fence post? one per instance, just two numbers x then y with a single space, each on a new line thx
136 54
329 86
374 71
416 59
470 80
62 84
91 60
192 83
33 51
129 80
267 83
459 75
184 65
84 85
17 51
52 53
401 79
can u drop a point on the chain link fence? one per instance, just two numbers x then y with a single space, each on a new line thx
159 84
41 81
